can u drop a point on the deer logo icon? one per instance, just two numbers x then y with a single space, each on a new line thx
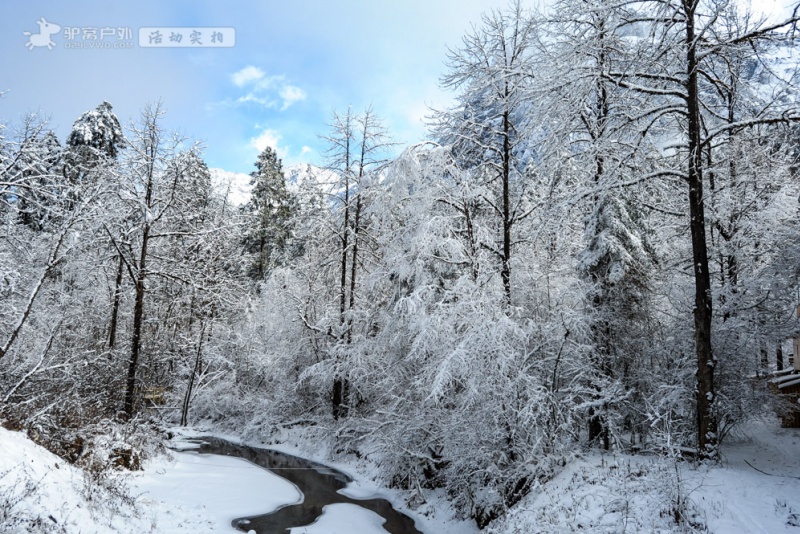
46 29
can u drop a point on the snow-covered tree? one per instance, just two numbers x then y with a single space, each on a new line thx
40 203
487 127
355 152
598 160
96 134
677 47
269 213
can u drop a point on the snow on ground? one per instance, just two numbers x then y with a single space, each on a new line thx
755 490
211 489
344 518
600 494
40 492
176 493
610 493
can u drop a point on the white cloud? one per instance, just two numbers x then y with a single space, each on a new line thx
269 138
266 91
269 82
260 100
247 75
291 94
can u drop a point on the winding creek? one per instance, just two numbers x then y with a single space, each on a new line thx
319 484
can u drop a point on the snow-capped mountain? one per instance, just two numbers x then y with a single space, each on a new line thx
234 185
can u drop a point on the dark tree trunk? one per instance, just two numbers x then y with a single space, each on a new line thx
353 265
340 386
341 390
112 329
262 246
141 275
601 361
506 267
138 317
345 244
198 358
601 330
598 430
706 418
473 243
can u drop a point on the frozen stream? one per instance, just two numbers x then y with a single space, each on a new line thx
319 484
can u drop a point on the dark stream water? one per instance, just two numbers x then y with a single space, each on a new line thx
318 483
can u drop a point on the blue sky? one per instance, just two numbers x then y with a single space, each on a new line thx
293 63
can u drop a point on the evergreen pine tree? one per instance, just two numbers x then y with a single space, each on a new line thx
39 169
95 137
268 212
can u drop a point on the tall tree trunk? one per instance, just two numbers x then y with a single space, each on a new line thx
354 264
141 275
345 244
138 317
198 358
472 241
262 245
340 386
506 267
706 418
598 423
112 329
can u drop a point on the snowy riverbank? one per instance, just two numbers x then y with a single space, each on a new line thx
756 490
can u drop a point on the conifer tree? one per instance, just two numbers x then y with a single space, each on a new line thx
38 167
95 137
269 211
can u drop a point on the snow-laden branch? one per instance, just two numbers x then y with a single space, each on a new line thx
53 259
750 123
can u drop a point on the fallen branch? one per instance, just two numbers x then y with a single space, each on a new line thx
770 474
